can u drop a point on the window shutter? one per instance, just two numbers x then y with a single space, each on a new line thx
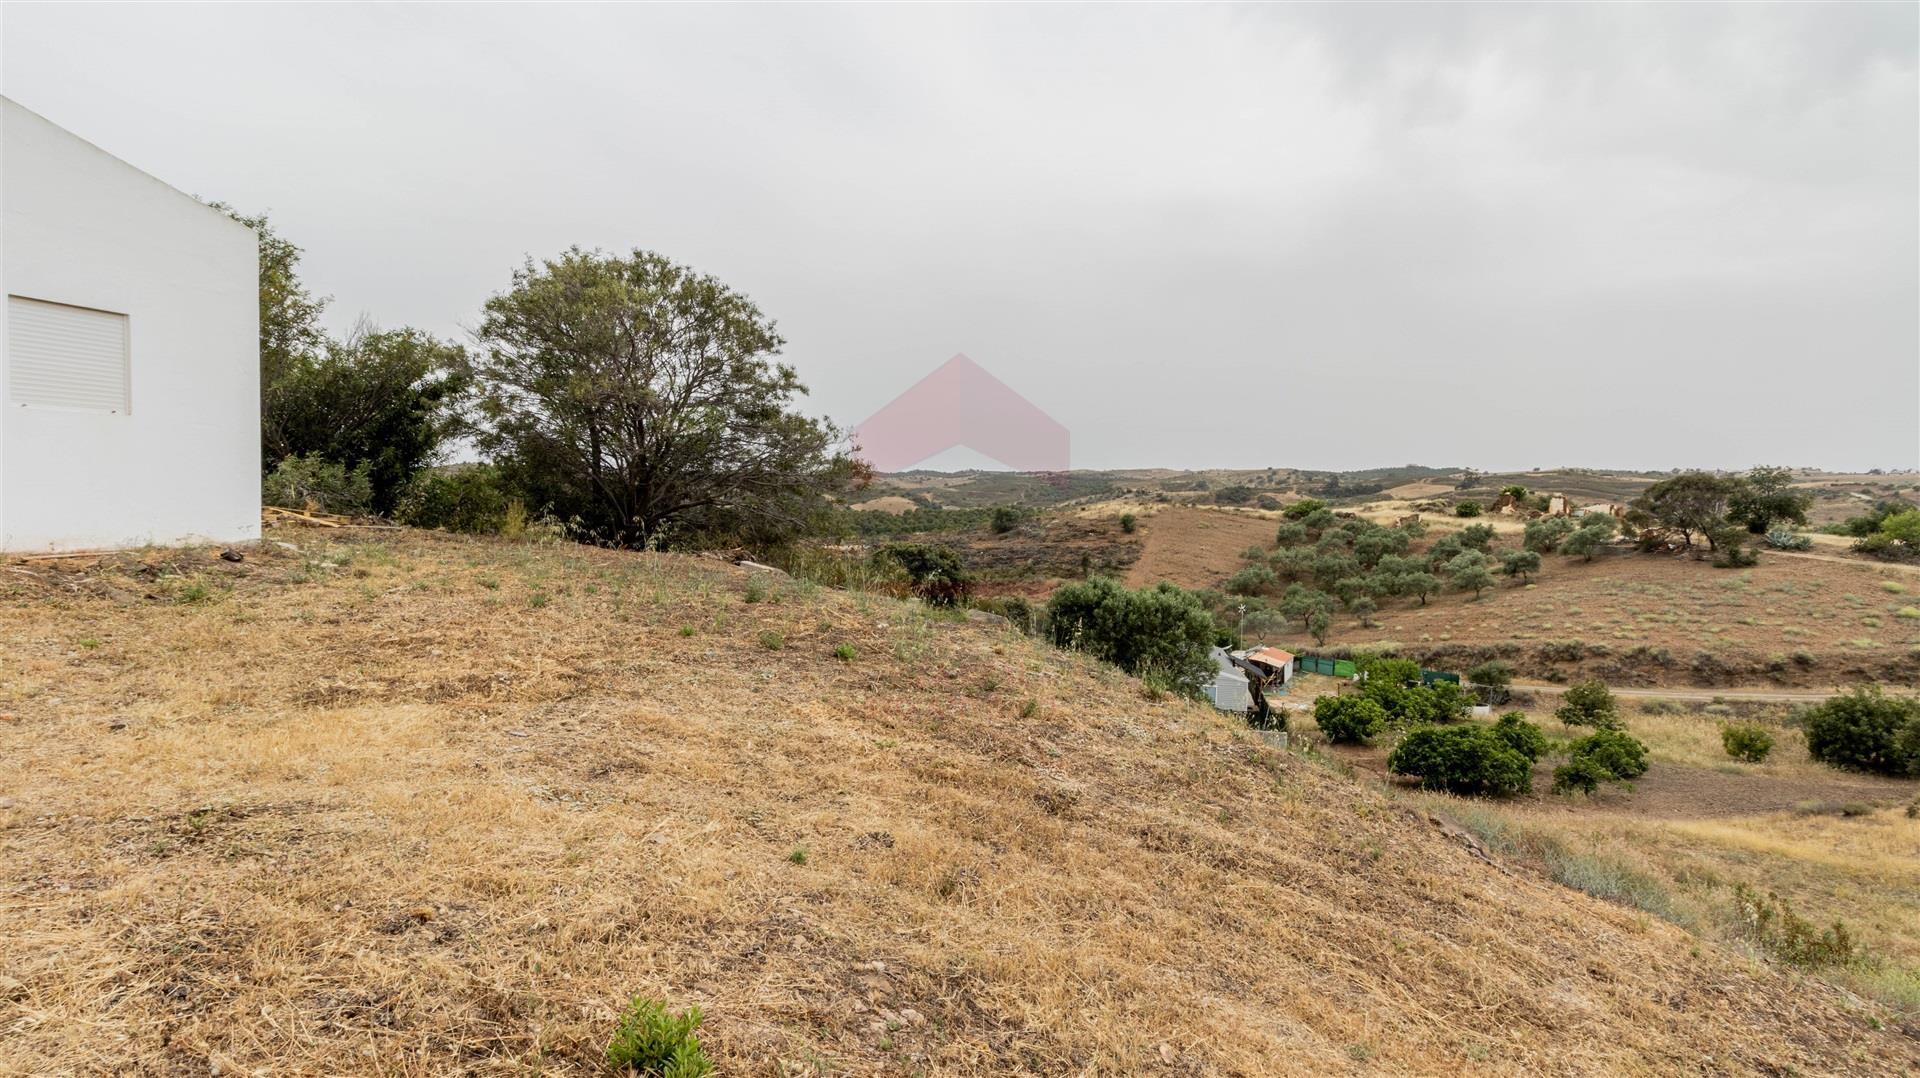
66 357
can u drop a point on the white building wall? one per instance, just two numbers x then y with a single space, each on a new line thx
78 226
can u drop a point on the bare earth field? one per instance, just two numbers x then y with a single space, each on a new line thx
412 804
1798 620
1190 547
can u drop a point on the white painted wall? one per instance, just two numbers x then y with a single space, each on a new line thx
79 226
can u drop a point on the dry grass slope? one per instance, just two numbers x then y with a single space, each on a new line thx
425 805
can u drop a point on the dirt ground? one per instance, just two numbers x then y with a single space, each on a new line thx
411 804
1788 621
1197 548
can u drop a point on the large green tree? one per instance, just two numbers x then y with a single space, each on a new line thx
1766 497
1690 503
389 400
639 401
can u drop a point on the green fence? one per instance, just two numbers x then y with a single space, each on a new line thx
1315 664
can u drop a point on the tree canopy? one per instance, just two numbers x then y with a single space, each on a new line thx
639 401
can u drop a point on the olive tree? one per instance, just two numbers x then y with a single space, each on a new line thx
640 401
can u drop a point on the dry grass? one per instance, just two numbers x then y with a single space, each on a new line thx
429 805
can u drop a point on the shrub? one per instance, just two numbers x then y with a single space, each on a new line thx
1353 718
1589 538
1589 703
1467 509
1303 508
468 499
1462 760
651 1042
1579 776
844 652
1520 735
1477 537
1495 676
1520 563
1770 922
1290 533
938 577
1746 741
1128 522
1617 753
1543 536
314 483
1865 731
1162 631
1320 624
1253 580
1005 518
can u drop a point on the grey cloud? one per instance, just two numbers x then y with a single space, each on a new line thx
1328 236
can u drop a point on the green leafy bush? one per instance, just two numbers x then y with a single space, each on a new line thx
1746 741
1579 776
938 576
1616 752
1253 580
1543 536
1865 731
1303 508
1467 509
1162 632
1005 518
655 1044
314 483
1520 735
1589 703
1494 677
1462 760
468 499
1128 523
1354 718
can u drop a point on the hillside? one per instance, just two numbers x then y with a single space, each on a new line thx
408 803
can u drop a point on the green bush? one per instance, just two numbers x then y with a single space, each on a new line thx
655 1044
1520 735
1619 754
462 499
1543 536
1253 580
1462 760
1005 519
1161 632
1865 731
1353 718
1495 676
1290 533
1746 741
1467 509
1128 522
938 576
1589 703
313 483
1303 508
1579 776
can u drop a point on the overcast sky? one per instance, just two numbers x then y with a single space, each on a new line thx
1499 236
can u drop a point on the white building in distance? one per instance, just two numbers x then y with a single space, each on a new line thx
129 353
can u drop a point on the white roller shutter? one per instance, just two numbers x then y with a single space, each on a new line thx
66 357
